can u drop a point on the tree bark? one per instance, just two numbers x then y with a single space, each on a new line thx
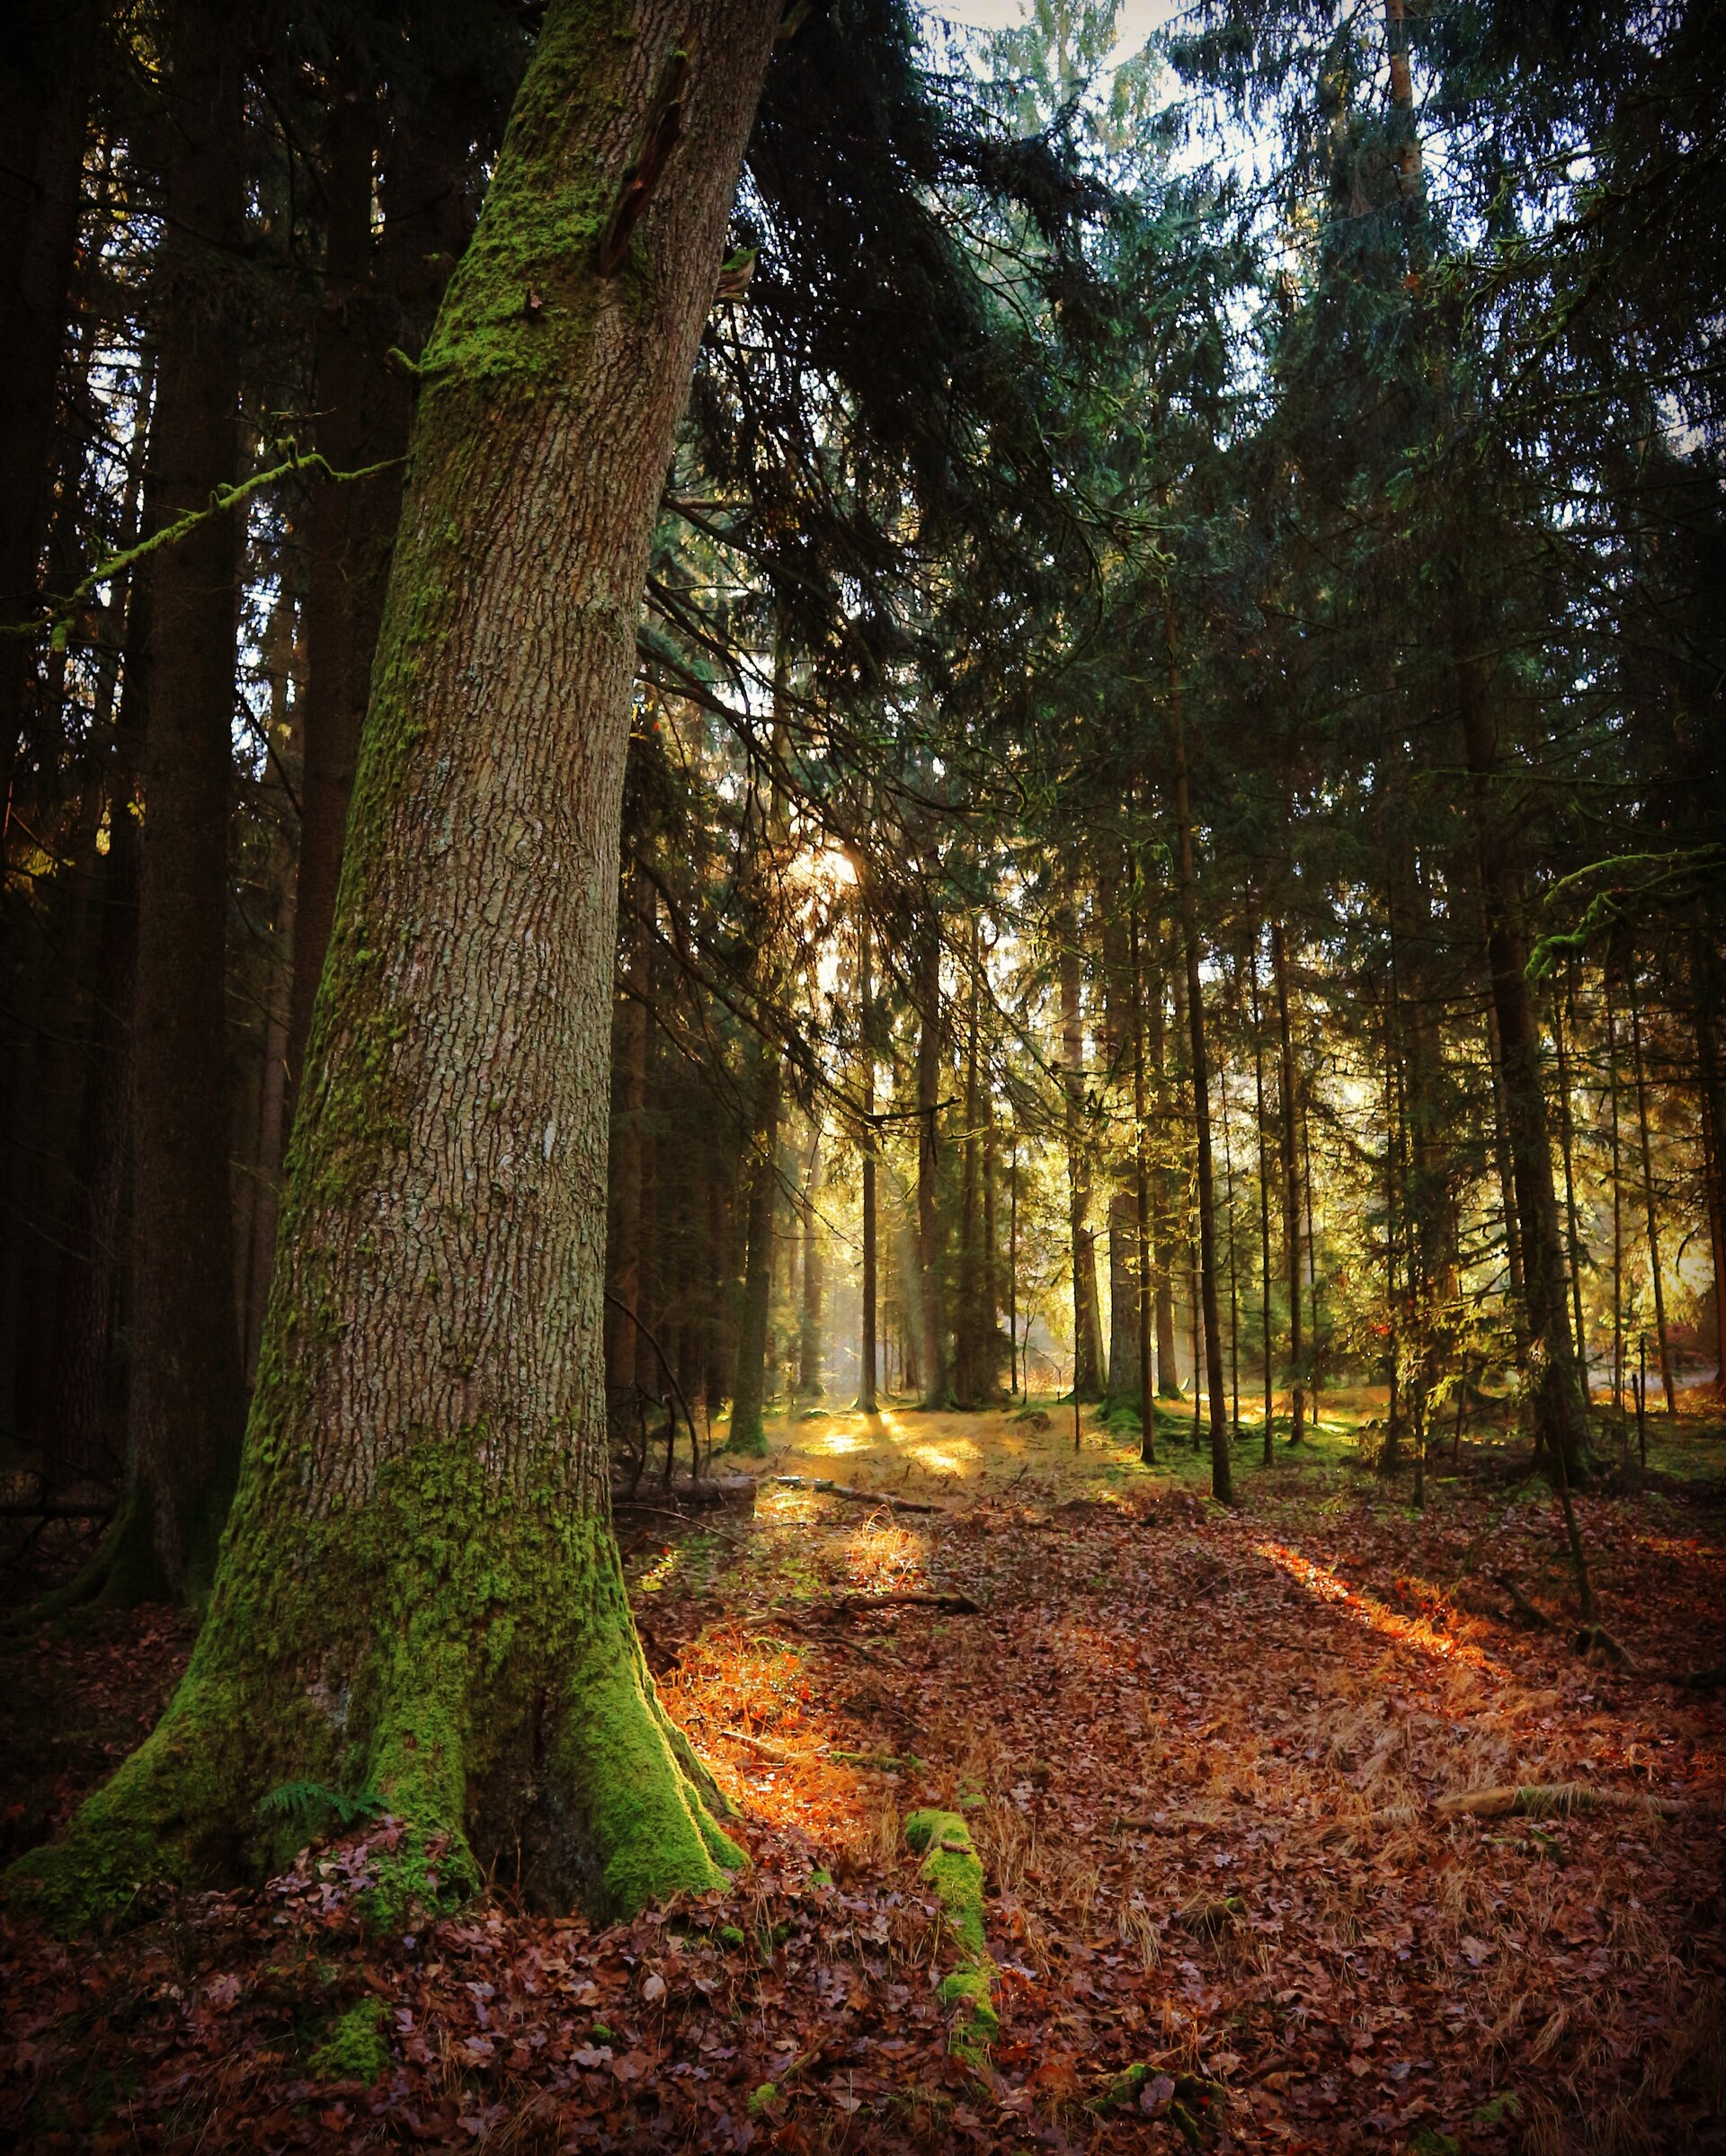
1221 1467
1561 1419
749 1388
187 1399
419 1591
1649 1210
1706 1003
622 1332
1264 1199
1162 1205
375 293
1289 1109
809 1384
44 104
1087 1327
866 1349
931 1255
1564 1016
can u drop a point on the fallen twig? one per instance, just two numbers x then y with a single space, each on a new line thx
761 1745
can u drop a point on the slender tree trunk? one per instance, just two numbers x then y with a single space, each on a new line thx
1507 1187
1312 1255
749 1388
1087 1327
1666 1386
968 1345
282 647
1563 1017
187 1401
419 1591
1289 1107
1392 1459
1222 1469
1264 1202
1714 1135
1617 1197
1560 1415
1142 1300
1234 1285
809 1384
990 1300
1012 1266
1162 1225
44 105
622 1332
866 1374
376 294
931 1256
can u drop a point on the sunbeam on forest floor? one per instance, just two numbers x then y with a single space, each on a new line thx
1199 1753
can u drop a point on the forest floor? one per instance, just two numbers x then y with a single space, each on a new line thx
1198 1752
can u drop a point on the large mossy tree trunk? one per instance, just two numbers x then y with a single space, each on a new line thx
419 1591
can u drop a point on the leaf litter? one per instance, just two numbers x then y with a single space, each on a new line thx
1173 1734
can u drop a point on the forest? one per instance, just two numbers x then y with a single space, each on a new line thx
863 986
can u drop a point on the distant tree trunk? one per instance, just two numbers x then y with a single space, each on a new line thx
1222 1467
623 1339
281 646
1012 1266
991 1296
1563 1017
1312 1255
1162 1204
187 1397
809 1384
1087 1327
1147 1291
936 1377
1234 1283
1264 1196
1122 1300
969 1350
420 1592
375 294
44 106
1617 1194
1650 1208
867 1374
1507 1186
1703 974
1560 1415
748 1391
1289 1106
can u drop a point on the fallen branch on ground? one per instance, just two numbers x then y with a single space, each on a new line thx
1526 1800
954 1605
841 1489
